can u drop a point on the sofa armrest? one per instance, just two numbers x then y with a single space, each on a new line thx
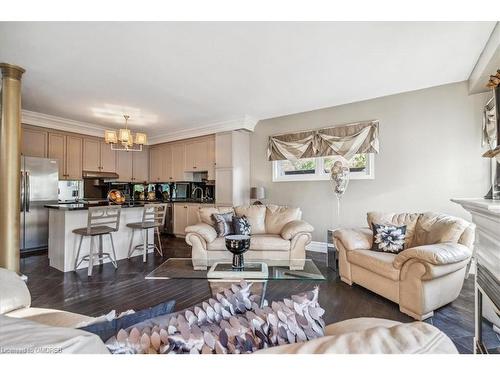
207 232
295 227
354 238
437 254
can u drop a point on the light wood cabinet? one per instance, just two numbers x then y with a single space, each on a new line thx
155 165
108 157
211 159
98 156
196 159
57 150
34 142
124 166
91 154
178 161
140 165
74 157
67 149
180 218
186 214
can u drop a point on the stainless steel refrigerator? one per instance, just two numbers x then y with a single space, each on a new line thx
39 186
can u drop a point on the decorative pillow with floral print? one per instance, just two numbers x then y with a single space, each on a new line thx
242 226
388 238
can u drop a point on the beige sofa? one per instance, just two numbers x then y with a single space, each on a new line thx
278 234
426 275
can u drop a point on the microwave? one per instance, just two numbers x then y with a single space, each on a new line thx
182 190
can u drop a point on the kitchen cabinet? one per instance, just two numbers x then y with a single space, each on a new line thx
186 214
74 157
57 150
98 156
132 166
67 149
155 164
91 154
180 218
124 166
196 159
211 159
140 165
178 151
108 157
34 142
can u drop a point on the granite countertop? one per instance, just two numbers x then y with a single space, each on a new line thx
85 205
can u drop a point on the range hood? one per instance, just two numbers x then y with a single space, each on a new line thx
100 175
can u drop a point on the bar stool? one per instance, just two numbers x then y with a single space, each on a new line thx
100 221
153 216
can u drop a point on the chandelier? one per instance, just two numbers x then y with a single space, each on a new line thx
125 140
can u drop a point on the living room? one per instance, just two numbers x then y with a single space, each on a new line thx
250 187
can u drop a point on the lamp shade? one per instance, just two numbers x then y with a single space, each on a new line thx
110 136
257 192
125 136
140 138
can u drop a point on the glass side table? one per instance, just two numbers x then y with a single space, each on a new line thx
331 254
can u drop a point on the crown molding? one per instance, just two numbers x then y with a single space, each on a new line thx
59 123
243 123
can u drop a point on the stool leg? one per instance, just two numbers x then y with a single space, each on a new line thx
101 261
78 252
91 257
113 260
159 240
130 250
145 246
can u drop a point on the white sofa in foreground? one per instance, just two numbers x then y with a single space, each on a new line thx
427 274
278 234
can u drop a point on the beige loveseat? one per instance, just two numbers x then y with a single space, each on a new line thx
426 275
278 234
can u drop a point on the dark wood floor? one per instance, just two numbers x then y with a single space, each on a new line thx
126 288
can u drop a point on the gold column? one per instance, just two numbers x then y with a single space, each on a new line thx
10 165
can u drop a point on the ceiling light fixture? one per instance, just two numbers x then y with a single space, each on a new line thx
125 139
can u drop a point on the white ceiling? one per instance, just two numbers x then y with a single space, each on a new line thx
173 76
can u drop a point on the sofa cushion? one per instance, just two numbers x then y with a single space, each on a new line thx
51 317
14 293
377 262
256 215
205 214
435 228
408 219
401 338
278 216
257 242
25 336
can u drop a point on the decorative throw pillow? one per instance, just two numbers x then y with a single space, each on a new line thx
251 327
223 224
242 226
388 238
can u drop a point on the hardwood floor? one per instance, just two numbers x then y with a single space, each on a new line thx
126 288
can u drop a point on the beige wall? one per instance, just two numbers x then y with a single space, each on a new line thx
429 152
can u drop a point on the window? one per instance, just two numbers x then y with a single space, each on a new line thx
312 169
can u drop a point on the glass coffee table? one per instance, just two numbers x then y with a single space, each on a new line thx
220 273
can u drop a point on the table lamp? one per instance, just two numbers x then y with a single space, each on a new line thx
257 193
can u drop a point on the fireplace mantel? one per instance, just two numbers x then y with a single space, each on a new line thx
486 215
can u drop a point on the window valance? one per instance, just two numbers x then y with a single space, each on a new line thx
346 140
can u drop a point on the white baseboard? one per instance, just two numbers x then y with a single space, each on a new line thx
317 247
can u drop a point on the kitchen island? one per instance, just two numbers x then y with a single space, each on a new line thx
63 243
